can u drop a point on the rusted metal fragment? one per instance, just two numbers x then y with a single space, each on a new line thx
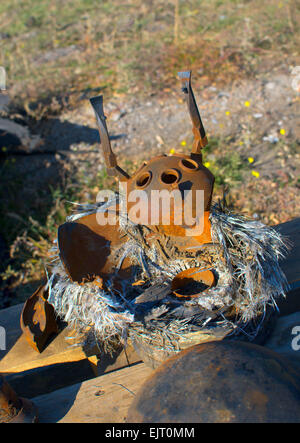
220 382
86 250
200 139
109 156
38 321
14 409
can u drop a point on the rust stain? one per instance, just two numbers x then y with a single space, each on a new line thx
224 416
257 401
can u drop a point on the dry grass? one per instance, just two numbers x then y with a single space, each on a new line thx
66 48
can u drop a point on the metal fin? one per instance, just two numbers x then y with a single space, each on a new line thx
200 140
109 156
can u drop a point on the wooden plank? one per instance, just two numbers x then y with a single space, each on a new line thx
104 399
19 356
108 363
40 371
47 378
22 357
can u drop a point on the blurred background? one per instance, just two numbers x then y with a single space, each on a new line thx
244 55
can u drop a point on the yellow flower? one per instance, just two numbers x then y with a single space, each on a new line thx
250 159
241 143
282 131
206 164
172 151
227 112
183 143
255 174
247 104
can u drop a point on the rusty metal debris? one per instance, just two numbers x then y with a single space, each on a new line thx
38 321
226 382
86 248
176 172
109 157
133 275
14 409
200 139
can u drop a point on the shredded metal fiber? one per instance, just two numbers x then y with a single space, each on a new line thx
245 256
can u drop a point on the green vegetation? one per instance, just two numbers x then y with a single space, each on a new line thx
55 48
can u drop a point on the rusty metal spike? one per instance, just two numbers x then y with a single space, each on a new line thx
109 156
200 139
38 320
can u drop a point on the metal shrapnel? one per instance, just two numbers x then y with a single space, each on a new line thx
200 139
109 156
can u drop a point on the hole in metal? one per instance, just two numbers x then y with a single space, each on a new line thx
144 179
170 176
188 165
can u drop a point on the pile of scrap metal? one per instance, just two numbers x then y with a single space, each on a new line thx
153 280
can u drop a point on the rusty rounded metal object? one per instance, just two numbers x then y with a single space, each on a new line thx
227 381
180 173
86 246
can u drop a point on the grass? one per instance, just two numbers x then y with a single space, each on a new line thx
136 46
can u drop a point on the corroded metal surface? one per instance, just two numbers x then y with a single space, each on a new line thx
86 250
184 173
220 382
38 321
170 173
14 409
